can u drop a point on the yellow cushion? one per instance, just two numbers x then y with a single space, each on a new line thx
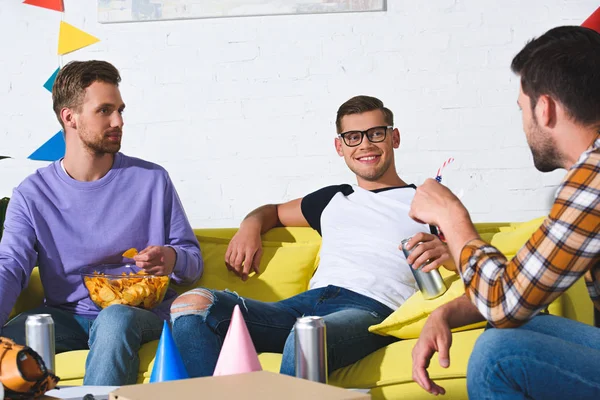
280 234
70 367
285 269
32 297
408 320
511 238
388 371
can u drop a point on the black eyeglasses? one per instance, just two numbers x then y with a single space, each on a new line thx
376 134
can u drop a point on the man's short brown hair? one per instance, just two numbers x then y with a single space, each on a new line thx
564 63
72 80
361 104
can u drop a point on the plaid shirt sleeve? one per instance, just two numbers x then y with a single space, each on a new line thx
565 247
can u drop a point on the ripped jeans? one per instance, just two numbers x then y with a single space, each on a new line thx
199 332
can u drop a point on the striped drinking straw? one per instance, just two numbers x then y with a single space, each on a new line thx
438 177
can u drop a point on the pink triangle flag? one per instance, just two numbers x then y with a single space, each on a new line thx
238 354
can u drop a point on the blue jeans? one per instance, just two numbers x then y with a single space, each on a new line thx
547 358
113 337
347 316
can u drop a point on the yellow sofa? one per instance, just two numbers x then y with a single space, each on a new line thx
290 257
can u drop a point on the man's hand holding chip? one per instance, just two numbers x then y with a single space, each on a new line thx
156 260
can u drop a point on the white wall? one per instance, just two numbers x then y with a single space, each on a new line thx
241 110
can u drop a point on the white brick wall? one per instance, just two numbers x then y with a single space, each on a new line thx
241 111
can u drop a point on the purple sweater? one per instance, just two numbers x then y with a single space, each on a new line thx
62 225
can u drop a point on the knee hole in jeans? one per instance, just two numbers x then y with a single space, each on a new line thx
194 302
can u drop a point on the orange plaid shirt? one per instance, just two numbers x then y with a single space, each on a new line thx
565 247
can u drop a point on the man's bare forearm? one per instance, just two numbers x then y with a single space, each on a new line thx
459 312
262 219
458 230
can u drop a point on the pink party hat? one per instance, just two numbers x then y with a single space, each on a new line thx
238 354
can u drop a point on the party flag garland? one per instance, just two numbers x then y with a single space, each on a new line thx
70 39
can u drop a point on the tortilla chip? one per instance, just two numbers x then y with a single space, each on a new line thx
130 253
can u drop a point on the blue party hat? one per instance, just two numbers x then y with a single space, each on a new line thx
168 365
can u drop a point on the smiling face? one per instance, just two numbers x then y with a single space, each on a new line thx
370 161
98 120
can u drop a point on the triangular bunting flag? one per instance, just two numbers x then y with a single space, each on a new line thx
50 82
238 354
52 150
71 38
168 365
56 5
593 22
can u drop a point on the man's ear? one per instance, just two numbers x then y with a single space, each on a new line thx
396 138
545 111
338 146
68 117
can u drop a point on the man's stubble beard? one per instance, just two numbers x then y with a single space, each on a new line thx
546 157
97 147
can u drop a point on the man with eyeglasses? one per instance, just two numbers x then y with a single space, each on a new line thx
363 276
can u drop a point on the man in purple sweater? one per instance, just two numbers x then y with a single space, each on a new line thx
87 209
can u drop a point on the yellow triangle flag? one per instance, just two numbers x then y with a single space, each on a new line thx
71 38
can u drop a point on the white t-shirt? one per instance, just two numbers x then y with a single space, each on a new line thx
361 232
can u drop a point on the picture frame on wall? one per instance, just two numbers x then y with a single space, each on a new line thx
112 11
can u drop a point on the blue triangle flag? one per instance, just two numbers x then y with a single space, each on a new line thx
168 365
50 82
52 150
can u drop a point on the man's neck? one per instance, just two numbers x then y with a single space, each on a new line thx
575 142
386 181
86 167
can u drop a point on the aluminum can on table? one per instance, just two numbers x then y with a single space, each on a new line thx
430 283
311 349
39 336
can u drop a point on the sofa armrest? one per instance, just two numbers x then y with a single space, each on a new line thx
489 227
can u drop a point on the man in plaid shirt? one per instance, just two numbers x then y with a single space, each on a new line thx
541 356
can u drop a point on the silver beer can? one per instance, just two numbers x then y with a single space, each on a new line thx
39 335
430 283
311 349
